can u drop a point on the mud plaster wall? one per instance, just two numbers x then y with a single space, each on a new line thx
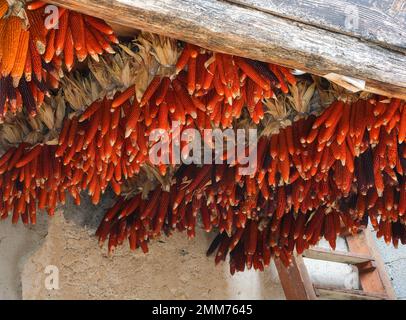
175 268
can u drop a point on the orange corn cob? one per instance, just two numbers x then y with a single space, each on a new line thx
11 41
50 50
123 97
3 8
37 30
21 57
78 31
252 73
99 25
34 5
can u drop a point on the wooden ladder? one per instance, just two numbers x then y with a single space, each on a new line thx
363 253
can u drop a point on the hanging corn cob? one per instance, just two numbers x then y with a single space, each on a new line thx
32 54
119 126
31 177
15 41
101 152
322 191
158 98
77 36
202 86
319 170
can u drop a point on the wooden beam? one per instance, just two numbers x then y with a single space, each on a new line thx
295 280
249 32
384 23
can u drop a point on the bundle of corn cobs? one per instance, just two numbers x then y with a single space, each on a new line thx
36 49
328 161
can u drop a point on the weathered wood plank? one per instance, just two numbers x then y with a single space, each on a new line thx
336 256
295 280
333 293
225 27
383 22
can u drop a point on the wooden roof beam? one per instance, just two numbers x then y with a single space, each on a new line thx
251 32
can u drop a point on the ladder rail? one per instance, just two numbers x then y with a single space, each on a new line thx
337 256
378 280
363 254
295 280
345 294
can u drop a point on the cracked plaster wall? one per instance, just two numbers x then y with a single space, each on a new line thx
175 268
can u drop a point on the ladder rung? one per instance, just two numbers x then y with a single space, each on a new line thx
337 256
344 294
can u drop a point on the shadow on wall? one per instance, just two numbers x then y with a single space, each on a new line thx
17 244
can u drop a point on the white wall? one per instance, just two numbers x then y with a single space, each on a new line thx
395 263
